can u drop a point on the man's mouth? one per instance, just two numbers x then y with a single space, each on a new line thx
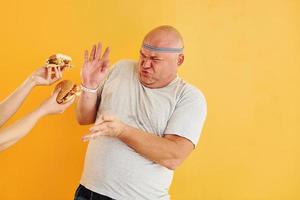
145 72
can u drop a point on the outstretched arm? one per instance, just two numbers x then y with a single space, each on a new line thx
93 72
19 129
11 104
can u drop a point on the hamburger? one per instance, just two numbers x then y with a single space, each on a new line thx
68 91
61 60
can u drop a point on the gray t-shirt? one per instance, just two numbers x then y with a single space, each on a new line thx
114 169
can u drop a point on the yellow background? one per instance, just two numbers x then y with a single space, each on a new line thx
243 54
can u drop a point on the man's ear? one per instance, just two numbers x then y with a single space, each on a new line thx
180 59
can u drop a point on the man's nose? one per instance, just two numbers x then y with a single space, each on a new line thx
146 63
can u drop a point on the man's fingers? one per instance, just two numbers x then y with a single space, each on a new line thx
97 128
86 56
106 53
90 136
98 51
92 55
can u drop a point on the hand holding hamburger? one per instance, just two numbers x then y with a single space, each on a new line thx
50 105
65 91
52 71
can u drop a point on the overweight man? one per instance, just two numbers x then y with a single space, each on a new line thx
146 120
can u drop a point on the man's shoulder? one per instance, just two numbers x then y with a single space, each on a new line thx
125 63
191 91
122 67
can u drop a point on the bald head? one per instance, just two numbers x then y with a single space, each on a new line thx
164 37
160 56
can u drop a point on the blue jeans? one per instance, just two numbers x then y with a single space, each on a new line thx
82 193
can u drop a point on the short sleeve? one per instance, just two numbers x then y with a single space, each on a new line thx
189 115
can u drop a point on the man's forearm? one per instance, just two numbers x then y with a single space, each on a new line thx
19 129
155 148
86 108
11 104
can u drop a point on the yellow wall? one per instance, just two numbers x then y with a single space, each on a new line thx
243 54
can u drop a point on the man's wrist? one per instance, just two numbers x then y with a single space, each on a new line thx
89 89
123 133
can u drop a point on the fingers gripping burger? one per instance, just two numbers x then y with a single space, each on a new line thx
68 91
61 60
